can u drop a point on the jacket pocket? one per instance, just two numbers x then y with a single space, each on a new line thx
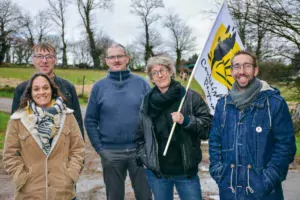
69 179
21 179
217 172
257 184
25 139
66 142
258 142
228 130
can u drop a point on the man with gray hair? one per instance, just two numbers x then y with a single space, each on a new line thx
44 60
112 116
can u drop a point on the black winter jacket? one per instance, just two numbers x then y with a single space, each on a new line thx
197 130
65 87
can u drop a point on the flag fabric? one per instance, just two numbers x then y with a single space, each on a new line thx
213 65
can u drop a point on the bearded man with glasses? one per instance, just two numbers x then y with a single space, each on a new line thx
252 142
112 116
44 60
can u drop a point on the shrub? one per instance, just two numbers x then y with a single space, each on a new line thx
274 71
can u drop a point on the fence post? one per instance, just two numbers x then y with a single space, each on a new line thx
82 92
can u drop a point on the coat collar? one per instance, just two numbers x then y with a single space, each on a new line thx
29 121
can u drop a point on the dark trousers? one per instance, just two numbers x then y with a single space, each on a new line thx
115 163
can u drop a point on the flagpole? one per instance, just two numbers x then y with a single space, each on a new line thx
183 99
180 107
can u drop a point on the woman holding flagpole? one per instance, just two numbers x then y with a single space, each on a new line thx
159 111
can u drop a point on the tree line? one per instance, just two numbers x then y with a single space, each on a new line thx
269 28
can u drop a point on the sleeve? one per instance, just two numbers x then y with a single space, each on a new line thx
77 110
284 149
12 160
139 142
216 166
17 99
76 151
92 120
200 119
147 88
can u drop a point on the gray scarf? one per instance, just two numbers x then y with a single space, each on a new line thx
243 99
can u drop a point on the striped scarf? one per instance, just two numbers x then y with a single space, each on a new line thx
47 124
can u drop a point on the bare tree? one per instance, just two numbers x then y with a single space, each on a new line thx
57 13
135 57
81 53
86 8
181 40
154 41
145 9
22 50
28 33
102 41
11 21
42 25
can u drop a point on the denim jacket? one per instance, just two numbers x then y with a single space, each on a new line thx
250 150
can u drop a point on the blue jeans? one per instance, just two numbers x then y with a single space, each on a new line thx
162 188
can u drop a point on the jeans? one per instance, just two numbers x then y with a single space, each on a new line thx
162 188
116 163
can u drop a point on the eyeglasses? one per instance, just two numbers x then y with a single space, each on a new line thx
162 71
246 66
114 57
47 57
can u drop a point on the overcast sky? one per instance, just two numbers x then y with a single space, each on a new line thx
123 26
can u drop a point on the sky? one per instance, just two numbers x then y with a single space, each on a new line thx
123 26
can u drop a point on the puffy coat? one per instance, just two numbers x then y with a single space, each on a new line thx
197 130
34 174
250 150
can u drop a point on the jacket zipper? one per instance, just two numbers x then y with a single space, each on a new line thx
46 170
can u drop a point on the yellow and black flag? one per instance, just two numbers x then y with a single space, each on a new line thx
213 65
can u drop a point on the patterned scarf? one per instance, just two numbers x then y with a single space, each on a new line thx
47 124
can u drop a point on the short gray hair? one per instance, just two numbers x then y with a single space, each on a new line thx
160 60
116 45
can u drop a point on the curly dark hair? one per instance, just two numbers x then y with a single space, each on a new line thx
27 93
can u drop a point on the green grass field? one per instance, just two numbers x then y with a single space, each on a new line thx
73 75
3 124
289 91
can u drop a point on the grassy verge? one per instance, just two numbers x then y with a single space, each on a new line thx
7 91
289 90
83 100
3 124
298 145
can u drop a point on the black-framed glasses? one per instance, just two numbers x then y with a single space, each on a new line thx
246 66
117 56
162 71
47 57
